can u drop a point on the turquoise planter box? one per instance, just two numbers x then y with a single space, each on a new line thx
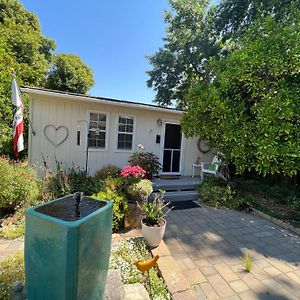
66 260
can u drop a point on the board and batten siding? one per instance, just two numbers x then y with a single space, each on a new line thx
56 111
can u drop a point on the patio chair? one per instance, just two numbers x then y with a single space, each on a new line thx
211 168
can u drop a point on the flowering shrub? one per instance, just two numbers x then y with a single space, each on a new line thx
147 160
134 171
141 190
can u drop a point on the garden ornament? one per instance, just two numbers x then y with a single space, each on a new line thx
145 266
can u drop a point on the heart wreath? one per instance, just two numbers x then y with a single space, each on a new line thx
61 128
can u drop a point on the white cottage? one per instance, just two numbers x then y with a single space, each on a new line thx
92 132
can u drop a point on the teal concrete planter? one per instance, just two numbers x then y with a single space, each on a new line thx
67 259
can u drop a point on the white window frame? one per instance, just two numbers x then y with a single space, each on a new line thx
133 133
106 130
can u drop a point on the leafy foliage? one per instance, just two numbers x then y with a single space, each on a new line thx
70 181
251 113
154 211
123 256
68 73
197 31
141 190
120 205
147 160
25 49
220 194
18 184
107 171
11 270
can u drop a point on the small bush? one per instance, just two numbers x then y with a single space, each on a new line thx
114 184
11 270
65 183
140 190
108 171
147 160
220 194
120 206
18 184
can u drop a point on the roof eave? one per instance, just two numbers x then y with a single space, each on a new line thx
29 90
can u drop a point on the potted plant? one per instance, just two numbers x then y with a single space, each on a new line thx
153 222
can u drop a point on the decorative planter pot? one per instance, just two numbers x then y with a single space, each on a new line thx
67 249
153 234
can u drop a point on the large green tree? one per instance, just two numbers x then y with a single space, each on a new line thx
197 31
69 73
24 49
250 111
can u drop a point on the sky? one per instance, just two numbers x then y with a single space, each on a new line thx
112 37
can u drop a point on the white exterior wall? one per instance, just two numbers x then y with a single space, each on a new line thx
58 111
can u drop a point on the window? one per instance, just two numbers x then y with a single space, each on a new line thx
125 133
97 131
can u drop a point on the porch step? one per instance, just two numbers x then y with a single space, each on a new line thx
175 187
179 196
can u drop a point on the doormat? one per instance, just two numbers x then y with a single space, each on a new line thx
169 176
180 205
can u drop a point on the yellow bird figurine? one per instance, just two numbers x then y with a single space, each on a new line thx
146 265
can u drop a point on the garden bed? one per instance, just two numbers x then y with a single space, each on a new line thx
124 254
277 201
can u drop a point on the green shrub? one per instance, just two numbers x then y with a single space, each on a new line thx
108 171
65 183
140 190
147 160
80 182
220 194
11 270
114 184
18 184
120 205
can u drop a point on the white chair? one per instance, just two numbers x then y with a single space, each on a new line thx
210 168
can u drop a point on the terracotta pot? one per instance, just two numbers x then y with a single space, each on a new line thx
153 234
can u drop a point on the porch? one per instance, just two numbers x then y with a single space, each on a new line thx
181 188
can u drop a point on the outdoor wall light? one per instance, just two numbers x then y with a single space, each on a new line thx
159 122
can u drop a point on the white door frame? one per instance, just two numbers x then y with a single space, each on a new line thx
161 157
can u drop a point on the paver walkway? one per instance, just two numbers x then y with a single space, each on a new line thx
208 243
9 247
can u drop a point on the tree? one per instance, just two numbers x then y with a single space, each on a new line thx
250 111
24 49
69 73
197 31
187 46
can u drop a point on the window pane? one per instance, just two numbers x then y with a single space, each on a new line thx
93 117
92 143
124 141
93 124
122 120
129 128
102 118
121 128
130 121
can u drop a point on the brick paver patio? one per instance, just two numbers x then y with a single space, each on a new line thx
208 243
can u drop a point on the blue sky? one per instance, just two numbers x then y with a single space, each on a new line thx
112 37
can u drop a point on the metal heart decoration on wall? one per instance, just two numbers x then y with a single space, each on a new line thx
56 130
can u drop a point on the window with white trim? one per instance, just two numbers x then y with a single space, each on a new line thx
125 133
97 131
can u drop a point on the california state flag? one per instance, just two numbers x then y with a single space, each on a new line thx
18 122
